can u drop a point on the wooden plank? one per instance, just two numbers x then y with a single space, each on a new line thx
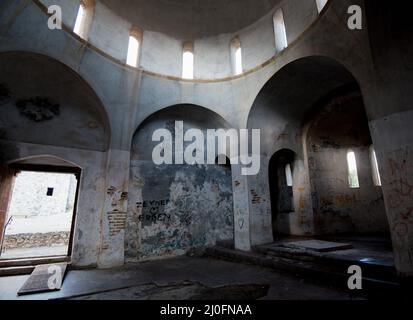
45 278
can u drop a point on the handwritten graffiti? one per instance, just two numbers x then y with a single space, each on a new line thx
117 214
400 168
155 218
301 201
338 199
152 204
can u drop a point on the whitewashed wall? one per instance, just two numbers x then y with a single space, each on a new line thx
30 194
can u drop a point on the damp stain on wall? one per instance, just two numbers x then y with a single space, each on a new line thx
178 208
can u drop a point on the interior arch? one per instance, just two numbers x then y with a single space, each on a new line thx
175 208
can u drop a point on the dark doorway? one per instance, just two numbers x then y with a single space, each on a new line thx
280 173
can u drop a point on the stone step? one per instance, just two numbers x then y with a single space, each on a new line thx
320 272
16 271
32 261
377 270
229 244
26 266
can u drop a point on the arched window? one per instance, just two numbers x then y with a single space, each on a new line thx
353 179
236 56
375 167
135 40
84 18
280 33
320 4
188 61
289 175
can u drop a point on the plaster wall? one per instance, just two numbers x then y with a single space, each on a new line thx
129 96
162 52
31 198
173 208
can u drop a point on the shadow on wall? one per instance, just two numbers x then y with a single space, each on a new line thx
44 102
280 174
339 127
323 201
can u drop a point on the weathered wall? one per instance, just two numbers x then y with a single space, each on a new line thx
30 194
341 126
372 56
41 96
162 46
389 98
47 111
173 208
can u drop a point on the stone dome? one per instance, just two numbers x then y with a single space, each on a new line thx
191 19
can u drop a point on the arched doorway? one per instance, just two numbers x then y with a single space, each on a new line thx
280 173
324 203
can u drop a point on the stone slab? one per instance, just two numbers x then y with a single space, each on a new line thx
318 245
38 281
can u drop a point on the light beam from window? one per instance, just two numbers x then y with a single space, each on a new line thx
188 65
353 179
133 52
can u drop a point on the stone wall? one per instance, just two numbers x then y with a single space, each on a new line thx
339 127
174 209
30 196
35 240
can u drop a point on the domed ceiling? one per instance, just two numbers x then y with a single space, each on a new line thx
191 19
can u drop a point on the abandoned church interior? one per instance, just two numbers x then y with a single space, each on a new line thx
86 85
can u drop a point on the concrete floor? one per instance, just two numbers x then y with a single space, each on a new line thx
177 278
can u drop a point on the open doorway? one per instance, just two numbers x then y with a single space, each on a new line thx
41 213
280 173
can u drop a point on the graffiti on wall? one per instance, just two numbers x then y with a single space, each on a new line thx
400 195
117 216
186 207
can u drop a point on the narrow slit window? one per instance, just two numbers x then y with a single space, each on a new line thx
236 56
238 61
375 168
188 62
84 18
353 178
133 51
321 4
289 175
80 19
280 32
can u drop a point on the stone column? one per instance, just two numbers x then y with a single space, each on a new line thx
393 141
242 239
113 220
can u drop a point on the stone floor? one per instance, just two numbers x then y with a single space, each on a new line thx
181 278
